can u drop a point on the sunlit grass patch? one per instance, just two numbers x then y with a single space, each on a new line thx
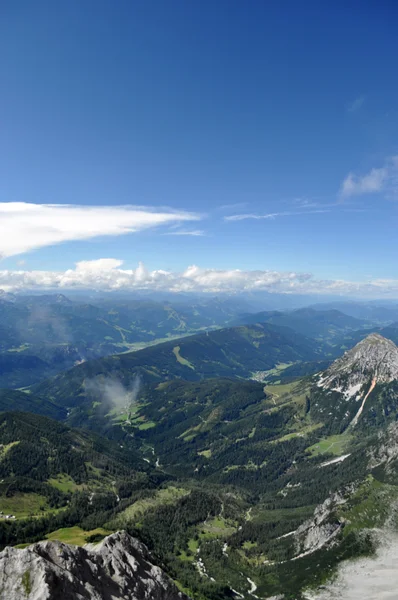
334 444
64 483
180 359
24 505
75 535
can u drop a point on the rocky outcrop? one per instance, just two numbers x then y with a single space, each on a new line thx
321 529
385 452
375 356
342 395
116 568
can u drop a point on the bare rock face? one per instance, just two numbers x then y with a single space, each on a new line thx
375 356
116 568
321 529
351 384
385 451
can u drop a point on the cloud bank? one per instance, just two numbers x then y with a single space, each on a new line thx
25 227
107 274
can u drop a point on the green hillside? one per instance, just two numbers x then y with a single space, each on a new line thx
14 400
59 476
218 473
257 463
236 352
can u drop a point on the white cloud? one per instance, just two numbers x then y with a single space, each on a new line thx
383 179
356 104
109 274
245 216
25 227
193 232
354 185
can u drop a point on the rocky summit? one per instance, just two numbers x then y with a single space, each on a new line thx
374 357
116 568
353 389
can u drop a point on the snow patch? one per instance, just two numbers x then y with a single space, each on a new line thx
285 535
352 390
335 460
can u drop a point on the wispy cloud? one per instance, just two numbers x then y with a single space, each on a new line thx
25 227
108 274
304 203
194 232
356 104
236 206
377 180
244 216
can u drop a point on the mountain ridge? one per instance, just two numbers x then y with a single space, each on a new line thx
119 567
324 325
359 388
232 352
375 354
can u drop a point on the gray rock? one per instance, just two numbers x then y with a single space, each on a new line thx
321 529
116 568
385 451
373 356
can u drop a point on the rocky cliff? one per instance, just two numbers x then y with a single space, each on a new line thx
321 529
348 390
375 356
117 568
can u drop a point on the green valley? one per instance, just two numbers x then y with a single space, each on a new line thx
220 473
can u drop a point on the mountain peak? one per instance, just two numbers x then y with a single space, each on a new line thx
375 357
374 338
118 567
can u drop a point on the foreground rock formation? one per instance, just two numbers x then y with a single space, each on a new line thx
117 567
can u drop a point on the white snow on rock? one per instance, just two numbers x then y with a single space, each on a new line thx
352 390
335 460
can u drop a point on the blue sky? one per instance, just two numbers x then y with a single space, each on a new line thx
213 114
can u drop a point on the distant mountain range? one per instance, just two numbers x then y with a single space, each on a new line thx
44 334
319 324
379 313
41 335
